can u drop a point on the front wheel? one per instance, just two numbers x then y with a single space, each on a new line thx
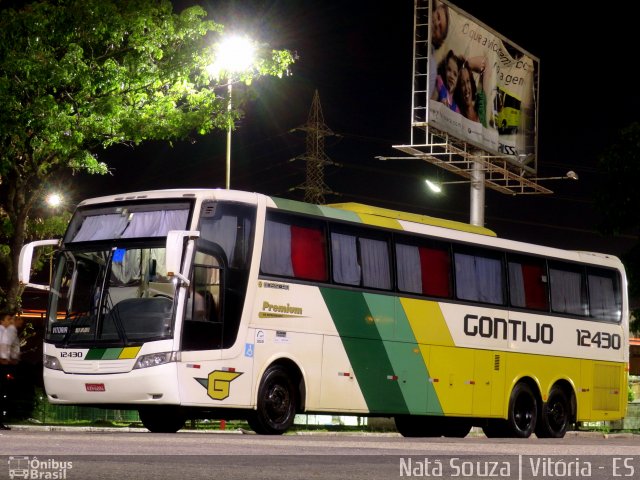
556 415
523 411
277 403
162 419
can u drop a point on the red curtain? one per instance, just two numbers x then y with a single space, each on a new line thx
436 267
535 291
308 255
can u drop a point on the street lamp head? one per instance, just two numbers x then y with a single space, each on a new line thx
234 54
54 200
433 186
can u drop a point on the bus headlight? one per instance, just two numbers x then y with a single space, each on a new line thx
51 362
154 359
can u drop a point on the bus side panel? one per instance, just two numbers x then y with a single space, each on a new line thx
603 391
609 391
360 329
339 390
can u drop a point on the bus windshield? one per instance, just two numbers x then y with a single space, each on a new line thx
109 284
115 295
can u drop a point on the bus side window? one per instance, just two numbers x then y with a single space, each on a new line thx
294 248
567 285
203 326
528 286
605 298
361 260
424 269
479 275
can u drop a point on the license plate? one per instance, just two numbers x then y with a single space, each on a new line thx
94 387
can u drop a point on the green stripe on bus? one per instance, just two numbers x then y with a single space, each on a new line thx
417 369
295 206
95 353
117 353
356 325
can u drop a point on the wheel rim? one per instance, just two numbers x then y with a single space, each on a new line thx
277 404
556 415
523 412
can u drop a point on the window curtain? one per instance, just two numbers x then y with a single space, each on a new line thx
566 292
374 255
345 259
101 227
478 278
602 295
276 252
308 253
436 272
156 223
409 273
516 285
126 268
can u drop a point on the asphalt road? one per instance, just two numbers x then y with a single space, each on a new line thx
138 454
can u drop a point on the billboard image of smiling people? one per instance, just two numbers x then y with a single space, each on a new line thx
482 88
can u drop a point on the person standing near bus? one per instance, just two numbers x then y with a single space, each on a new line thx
9 358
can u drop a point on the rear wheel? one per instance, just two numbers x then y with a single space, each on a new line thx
523 411
556 415
162 419
277 403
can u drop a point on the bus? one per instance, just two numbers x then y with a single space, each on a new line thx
507 108
212 303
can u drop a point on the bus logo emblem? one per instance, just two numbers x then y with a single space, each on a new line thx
218 383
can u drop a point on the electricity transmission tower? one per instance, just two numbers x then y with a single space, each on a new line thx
316 131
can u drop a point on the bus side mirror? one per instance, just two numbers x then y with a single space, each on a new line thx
175 243
24 262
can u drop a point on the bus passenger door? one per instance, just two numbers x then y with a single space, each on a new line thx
202 330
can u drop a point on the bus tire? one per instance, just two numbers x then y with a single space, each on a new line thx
162 419
556 415
277 403
523 411
419 426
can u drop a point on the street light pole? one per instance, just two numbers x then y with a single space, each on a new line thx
234 55
229 107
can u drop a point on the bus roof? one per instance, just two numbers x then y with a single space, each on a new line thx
381 217
371 214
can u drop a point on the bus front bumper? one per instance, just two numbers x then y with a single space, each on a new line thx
145 386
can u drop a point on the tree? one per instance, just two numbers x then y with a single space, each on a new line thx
619 199
79 75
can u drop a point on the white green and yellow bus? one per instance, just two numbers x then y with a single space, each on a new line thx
215 303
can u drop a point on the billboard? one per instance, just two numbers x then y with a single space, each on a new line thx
482 89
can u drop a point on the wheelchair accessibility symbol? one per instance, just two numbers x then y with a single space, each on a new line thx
248 350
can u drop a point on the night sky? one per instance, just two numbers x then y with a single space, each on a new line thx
358 55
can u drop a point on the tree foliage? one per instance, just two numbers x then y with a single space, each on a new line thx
80 75
619 200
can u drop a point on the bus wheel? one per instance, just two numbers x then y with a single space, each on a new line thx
556 415
523 411
277 403
419 426
162 419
